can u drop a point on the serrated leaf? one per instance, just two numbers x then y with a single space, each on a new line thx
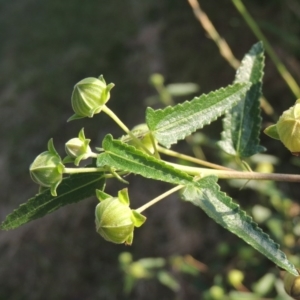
73 189
127 158
175 123
243 122
206 194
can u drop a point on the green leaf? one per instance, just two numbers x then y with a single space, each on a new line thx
175 123
72 189
127 158
243 122
206 194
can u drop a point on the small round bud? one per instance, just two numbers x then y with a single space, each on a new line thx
89 96
157 79
292 285
288 128
115 221
146 137
47 169
78 149
216 292
44 169
142 132
235 278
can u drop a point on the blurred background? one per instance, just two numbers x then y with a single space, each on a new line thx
46 47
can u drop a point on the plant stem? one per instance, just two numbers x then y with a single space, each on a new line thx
285 74
224 48
211 30
111 114
191 159
160 197
163 93
112 173
83 170
229 174
109 176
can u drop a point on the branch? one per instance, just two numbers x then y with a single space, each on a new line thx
224 48
226 174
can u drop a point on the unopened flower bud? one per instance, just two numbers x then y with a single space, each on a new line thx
115 221
287 129
89 96
47 169
142 132
78 149
157 79
292 285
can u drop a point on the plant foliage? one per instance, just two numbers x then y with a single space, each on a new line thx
73 189
172 124
207 195
242 123
240 104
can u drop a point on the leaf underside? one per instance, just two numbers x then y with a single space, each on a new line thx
242 123
175 123
207 195
72 189
127 158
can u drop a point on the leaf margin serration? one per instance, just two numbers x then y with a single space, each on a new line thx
104 159
162 127
244 216
227 140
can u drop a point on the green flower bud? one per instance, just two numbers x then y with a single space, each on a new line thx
287 129
47 169
89 96
78 149
142 132
292 285
235 278
115 221
157 79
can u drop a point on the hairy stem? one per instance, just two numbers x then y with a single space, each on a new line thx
229 174
112 174
191 159
160 197
211 30
111 114
83 170
224 48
